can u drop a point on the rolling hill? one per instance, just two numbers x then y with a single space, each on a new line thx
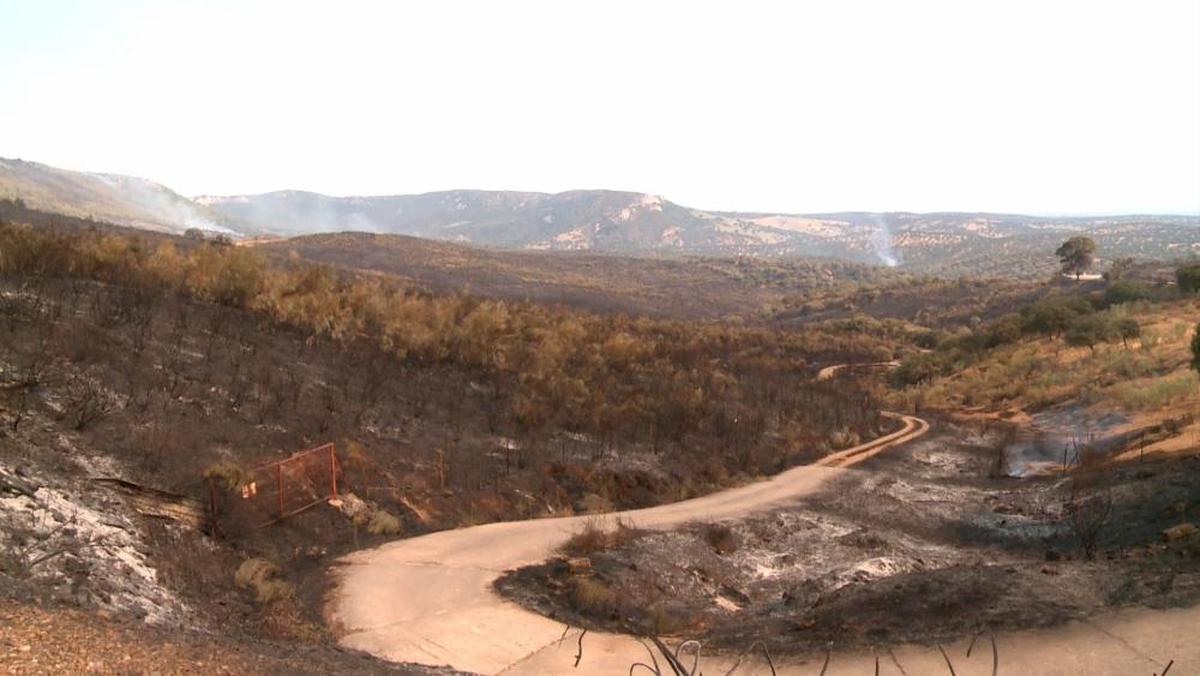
694 287
613 222
113 198
636 223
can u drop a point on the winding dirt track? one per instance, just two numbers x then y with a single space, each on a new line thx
429 600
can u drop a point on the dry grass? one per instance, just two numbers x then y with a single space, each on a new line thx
229 474
382 523
282 615
1150 374
1154 394
262 577
598 535
843 438
592 597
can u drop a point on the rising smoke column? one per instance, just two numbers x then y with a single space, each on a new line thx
881 241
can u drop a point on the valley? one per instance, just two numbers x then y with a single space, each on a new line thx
678 449
470 338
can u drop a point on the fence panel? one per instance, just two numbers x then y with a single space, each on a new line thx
284 488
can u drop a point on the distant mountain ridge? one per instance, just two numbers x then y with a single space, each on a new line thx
641 224
608 221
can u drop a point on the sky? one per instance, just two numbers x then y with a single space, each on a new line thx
1047 107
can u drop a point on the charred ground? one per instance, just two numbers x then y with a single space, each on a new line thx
174 363
921 544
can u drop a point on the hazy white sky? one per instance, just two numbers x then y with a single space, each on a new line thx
1046 106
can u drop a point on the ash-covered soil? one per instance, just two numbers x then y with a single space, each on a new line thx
59 640
89 586
922 543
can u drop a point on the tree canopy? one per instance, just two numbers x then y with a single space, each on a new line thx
1196 348
1125 291
1188 278
1077 255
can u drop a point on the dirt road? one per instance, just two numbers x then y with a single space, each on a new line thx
830 371
430 600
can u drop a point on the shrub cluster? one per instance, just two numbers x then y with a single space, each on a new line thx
610 376
1078 320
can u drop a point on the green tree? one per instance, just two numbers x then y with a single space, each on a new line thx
1005 330
1125 291
1128 329
1196 348
1051 316
1089 331
917 369
1188 278
1077 255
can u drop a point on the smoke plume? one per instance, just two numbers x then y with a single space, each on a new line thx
881 241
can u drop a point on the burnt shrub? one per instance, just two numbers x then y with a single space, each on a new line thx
594 598
721 538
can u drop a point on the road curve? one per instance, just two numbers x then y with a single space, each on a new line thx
830 371
430 600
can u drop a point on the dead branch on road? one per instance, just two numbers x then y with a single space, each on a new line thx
579 655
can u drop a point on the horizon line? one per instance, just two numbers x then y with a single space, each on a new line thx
194 197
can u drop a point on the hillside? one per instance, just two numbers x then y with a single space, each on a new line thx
1144 376
636 223
120 349
124 200
684 287
1057 482
1072 374
605 221
451 409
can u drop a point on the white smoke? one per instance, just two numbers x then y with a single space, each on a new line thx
163 205
360 222
881 241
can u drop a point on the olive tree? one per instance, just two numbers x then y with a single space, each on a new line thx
1077 255
1196 348
1188 278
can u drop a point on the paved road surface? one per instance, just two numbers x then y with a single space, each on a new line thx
430 600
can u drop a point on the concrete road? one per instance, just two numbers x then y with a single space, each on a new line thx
430 600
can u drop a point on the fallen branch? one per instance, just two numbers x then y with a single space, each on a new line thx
767 654
676 665
696 657
995 651
949 664
579 655
654 669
